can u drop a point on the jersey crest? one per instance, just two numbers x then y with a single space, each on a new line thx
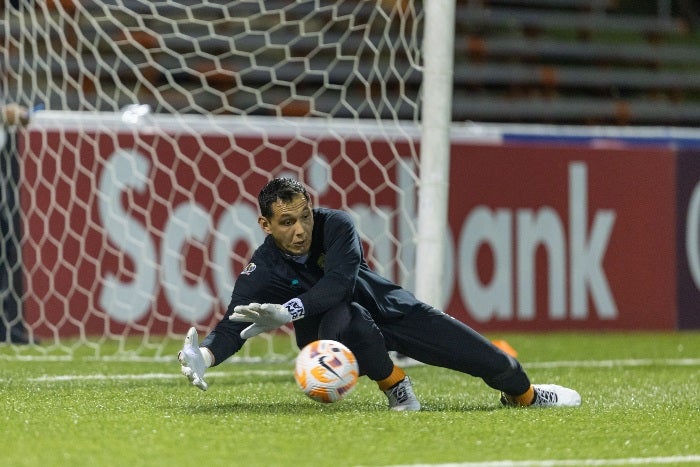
250 267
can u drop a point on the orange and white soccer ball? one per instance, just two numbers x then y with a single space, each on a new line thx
326 371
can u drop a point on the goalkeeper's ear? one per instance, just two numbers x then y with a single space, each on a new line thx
264 224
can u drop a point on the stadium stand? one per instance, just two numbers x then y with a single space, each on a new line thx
548 61
575 61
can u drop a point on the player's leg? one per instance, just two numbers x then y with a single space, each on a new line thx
437 339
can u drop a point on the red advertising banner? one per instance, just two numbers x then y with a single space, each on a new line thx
134 232
563 237
130 231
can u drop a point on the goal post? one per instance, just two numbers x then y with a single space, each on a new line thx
438 46
163 119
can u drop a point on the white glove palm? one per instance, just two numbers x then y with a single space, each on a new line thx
266 317
192 362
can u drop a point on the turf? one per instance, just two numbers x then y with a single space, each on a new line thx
640 406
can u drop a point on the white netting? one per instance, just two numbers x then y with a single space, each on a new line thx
352 59
162 120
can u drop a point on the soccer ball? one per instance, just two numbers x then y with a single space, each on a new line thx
326 371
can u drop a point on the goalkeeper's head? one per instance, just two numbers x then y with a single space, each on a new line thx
286 215
283 189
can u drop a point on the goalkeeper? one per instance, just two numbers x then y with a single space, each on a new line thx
311 271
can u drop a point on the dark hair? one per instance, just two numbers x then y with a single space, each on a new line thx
284 189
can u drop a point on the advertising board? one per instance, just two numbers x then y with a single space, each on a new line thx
135 230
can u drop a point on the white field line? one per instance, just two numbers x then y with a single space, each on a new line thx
615 363
147 376
233 360
176 374
692 459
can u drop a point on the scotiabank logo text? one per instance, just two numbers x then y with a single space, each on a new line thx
513 236
575 246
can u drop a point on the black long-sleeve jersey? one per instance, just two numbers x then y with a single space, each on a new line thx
335 271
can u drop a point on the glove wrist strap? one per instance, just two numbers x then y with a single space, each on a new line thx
206 356
295 308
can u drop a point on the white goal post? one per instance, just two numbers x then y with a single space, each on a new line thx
160 122
438 46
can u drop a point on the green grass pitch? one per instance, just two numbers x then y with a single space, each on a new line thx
640 407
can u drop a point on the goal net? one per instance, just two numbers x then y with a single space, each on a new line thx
133 206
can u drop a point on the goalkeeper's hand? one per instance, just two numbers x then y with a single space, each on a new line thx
266 317
191 360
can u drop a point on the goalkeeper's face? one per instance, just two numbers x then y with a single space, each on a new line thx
291 225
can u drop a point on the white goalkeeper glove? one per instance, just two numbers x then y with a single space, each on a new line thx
193 365
267 317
